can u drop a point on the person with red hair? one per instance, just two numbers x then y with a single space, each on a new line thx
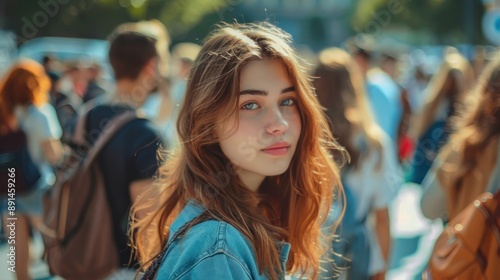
24 96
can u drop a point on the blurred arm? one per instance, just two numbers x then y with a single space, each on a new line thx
382 229
52 151
433 201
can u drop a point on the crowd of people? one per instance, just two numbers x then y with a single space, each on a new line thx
246 164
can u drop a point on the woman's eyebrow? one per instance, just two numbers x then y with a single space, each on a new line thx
288 89
263 92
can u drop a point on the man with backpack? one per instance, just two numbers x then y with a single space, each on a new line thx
87 213
129 160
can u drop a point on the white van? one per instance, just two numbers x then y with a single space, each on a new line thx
85 51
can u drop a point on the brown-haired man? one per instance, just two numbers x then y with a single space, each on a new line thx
128 162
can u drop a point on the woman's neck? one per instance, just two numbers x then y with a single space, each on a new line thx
252 181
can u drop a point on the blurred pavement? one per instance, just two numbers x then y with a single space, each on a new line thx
413 235
38 268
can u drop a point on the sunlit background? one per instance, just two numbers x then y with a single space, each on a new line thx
314 24
417 30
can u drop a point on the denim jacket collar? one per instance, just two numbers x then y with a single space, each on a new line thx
188 213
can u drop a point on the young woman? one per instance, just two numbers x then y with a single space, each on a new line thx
444 96
254 158
24 96
371 179
469 164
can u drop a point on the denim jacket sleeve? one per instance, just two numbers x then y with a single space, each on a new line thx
217 266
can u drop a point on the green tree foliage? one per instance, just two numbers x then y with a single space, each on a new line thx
448 20
183 12
97 18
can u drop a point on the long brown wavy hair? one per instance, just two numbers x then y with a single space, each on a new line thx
480 121
452 81
339 87
290 207
26 83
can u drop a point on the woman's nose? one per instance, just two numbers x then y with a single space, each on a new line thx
277 124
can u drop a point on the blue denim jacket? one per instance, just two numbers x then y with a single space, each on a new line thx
211 250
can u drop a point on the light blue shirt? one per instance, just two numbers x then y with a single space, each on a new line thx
211 250
384 97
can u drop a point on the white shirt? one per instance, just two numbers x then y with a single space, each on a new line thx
39 124
374 189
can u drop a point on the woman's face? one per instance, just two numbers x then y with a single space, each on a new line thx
269 123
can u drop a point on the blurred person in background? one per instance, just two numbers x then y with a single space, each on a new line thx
49 64
74 79
413 99
67 105
94 87
389 64
24 105
70 73
129 161
383 94
417 80
183 56
470 163
159 105
444 96
371 178
479 60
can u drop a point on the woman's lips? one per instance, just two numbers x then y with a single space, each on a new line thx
277 149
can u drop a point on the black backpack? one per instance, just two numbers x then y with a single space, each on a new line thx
17 169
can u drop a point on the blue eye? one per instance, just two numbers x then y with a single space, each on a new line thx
288 102
250 106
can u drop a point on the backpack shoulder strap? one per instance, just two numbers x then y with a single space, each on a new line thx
150 273
81 126
109 130
79 133
490 213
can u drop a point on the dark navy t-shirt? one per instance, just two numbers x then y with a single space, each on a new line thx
130 155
